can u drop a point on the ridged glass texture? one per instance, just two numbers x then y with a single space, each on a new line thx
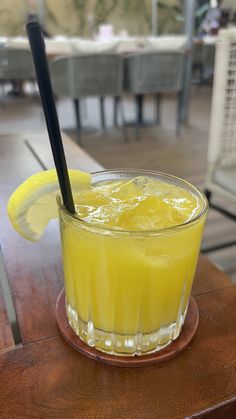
127 293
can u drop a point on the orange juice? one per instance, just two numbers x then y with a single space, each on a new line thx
129 259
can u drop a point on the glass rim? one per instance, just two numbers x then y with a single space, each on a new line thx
137 233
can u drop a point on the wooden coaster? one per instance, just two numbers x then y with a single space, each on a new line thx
175 348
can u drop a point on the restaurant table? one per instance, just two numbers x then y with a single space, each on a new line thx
62 45
43 377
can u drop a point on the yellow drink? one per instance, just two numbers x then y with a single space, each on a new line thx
130 258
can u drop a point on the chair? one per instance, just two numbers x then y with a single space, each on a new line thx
16 64
197 65
208 59
81 76
157 73
221 159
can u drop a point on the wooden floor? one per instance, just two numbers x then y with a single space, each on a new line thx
158 148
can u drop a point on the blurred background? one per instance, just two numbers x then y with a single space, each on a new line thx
138 83
83 17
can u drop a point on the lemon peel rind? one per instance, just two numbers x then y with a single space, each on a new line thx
31 191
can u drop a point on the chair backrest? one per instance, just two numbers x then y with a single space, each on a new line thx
151 72
222 135
16 64
208 55
87 75
221 157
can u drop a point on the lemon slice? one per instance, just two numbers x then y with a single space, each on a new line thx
33 204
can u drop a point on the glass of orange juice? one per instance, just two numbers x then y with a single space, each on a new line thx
129 258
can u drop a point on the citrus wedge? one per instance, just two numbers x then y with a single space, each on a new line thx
33 204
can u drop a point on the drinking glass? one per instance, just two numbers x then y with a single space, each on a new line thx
127 292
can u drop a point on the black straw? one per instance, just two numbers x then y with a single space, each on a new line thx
45 88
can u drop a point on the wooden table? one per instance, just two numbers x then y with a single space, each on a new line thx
43 377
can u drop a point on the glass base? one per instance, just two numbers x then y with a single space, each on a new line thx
124 345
